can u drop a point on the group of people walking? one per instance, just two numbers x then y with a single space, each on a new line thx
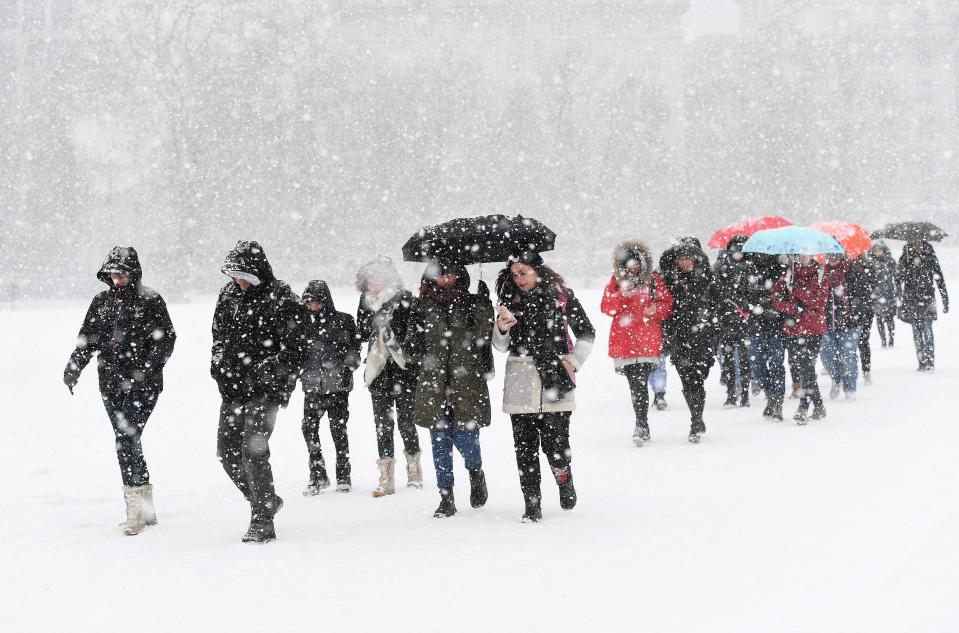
429 355
751 309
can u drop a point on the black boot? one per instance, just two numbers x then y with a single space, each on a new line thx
260 532
776 408
447 507
534 511
478 492
567 492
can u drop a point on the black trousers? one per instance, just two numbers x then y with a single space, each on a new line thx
337 406
638 377
884 322
532 430
383 406
803 351
693 374
129 412
243 447
865 353
728 369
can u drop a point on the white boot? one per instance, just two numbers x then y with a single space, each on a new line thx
133 498
387 486
414 472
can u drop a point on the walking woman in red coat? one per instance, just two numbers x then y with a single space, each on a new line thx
639 302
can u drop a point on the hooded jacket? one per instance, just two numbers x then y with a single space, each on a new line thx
732 289
258 334
802 295
332 347
917 277
129 329
634 334
691 330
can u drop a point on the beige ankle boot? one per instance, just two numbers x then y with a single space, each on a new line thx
133 498
387 486
414 472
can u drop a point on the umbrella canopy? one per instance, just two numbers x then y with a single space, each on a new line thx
910 232
854 238
747 227
490 238
792 240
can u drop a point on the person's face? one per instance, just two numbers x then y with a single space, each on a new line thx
374 286
737 256
915 247
633 267
119 279
446 281
686 263
242 283
804 260
314 306
524 276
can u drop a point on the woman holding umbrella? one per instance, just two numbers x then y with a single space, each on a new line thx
449 331
918 275
536 312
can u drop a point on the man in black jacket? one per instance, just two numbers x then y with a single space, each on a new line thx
258 339
129 328
333 354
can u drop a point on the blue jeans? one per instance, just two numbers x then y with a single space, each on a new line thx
768 356
840 357
925 344
658 378
466 442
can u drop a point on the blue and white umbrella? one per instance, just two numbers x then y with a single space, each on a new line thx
792 240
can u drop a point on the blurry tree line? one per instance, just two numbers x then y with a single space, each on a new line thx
331 130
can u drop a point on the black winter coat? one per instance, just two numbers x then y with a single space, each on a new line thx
917 276
884 292
332 347
763 273
128 328
258 335
732 289
542 315
396 313
691 330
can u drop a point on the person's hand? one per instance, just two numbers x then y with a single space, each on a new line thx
71 375
569 368
650 311
504 319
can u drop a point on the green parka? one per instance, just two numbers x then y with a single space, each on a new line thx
446 343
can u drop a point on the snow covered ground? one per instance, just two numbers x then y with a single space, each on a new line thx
849 524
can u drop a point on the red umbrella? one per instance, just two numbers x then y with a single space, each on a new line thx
854 238
746 227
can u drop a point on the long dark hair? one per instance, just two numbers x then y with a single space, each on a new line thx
507 290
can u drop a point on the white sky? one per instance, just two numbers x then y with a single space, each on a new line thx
710 16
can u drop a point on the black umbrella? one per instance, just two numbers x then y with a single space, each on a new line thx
909 232
490 238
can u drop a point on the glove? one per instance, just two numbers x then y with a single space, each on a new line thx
71 375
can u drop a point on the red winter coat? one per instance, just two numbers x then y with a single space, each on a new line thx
634 334
805 305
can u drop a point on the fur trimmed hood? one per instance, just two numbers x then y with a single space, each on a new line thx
629 251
